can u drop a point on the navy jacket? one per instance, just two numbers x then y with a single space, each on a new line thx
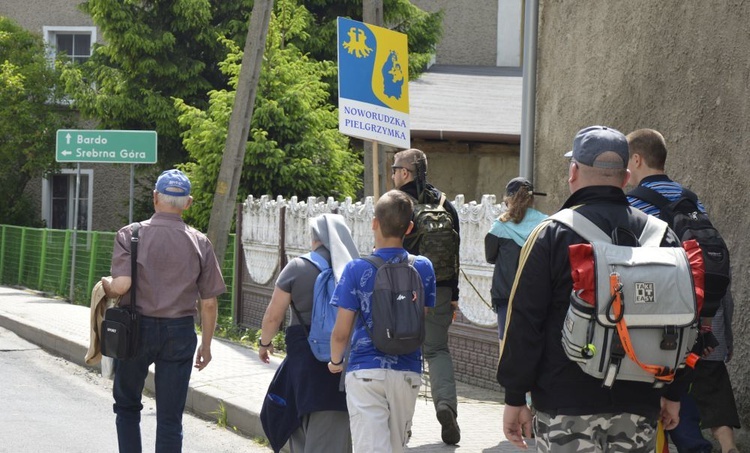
302 385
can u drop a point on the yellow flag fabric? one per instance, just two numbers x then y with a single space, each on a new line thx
662 443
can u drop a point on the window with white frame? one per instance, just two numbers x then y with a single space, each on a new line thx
74 42
58 200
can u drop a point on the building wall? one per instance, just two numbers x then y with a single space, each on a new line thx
679 67
35 14
111 182
468 168
469 31
509 32
111 195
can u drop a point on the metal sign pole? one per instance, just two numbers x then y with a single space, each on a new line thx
71 296
375 172
132 192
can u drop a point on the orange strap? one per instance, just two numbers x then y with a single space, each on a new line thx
661 373
692 359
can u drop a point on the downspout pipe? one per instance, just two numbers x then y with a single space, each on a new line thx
528 100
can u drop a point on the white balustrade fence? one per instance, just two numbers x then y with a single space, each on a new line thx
261 225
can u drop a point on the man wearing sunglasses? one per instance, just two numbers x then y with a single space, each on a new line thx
436 236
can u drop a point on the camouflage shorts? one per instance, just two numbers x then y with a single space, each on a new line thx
594 433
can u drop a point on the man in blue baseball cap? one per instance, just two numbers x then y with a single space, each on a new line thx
176 268
174 183
574 411
600 146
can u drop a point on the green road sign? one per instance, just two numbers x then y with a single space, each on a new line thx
101 146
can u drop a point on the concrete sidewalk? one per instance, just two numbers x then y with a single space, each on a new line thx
239 379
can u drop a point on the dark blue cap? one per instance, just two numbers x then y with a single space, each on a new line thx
515 184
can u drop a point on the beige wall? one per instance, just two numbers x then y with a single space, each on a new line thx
468 169
469 31
680 67
35 14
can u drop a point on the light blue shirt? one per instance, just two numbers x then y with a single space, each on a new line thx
518 232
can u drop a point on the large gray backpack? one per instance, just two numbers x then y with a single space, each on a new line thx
396 307
636 317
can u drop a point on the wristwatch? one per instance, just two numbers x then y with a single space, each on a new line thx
260 343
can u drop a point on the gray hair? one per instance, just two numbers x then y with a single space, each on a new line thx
173 201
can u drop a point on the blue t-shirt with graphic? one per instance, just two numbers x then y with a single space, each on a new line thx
354 292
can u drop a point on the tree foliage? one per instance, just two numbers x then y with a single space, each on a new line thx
159 49
423 29
154 51
29 119
295 147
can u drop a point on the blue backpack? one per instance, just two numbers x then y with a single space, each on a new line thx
323 313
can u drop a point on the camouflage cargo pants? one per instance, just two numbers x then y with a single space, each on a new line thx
594 433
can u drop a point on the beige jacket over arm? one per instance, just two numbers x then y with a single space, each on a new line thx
99 304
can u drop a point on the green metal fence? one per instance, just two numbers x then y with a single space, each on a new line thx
41 259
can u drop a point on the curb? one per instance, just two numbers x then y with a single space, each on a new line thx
198 402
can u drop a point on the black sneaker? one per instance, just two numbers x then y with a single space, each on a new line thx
450 432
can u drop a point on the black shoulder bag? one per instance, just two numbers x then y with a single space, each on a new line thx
120 327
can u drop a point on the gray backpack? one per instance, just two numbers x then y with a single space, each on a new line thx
396 307
633 313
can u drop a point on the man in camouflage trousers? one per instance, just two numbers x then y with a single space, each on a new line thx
574 412
618 432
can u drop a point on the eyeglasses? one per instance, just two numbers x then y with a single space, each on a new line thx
394 168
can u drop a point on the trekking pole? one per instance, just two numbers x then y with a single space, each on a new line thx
475 289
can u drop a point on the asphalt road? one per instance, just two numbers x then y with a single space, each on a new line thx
50 404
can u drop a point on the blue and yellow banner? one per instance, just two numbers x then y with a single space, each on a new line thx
373 83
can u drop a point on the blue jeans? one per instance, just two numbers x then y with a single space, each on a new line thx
502 316
169 344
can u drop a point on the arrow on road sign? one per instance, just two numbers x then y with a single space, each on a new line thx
105 146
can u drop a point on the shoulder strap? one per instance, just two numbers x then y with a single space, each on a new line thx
133 262
649 195
653 232
299 317
690 195
581 225
374 260
442 199
651 236
378 261
317 259
427 196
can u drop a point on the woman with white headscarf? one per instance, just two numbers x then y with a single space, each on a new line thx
304 404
